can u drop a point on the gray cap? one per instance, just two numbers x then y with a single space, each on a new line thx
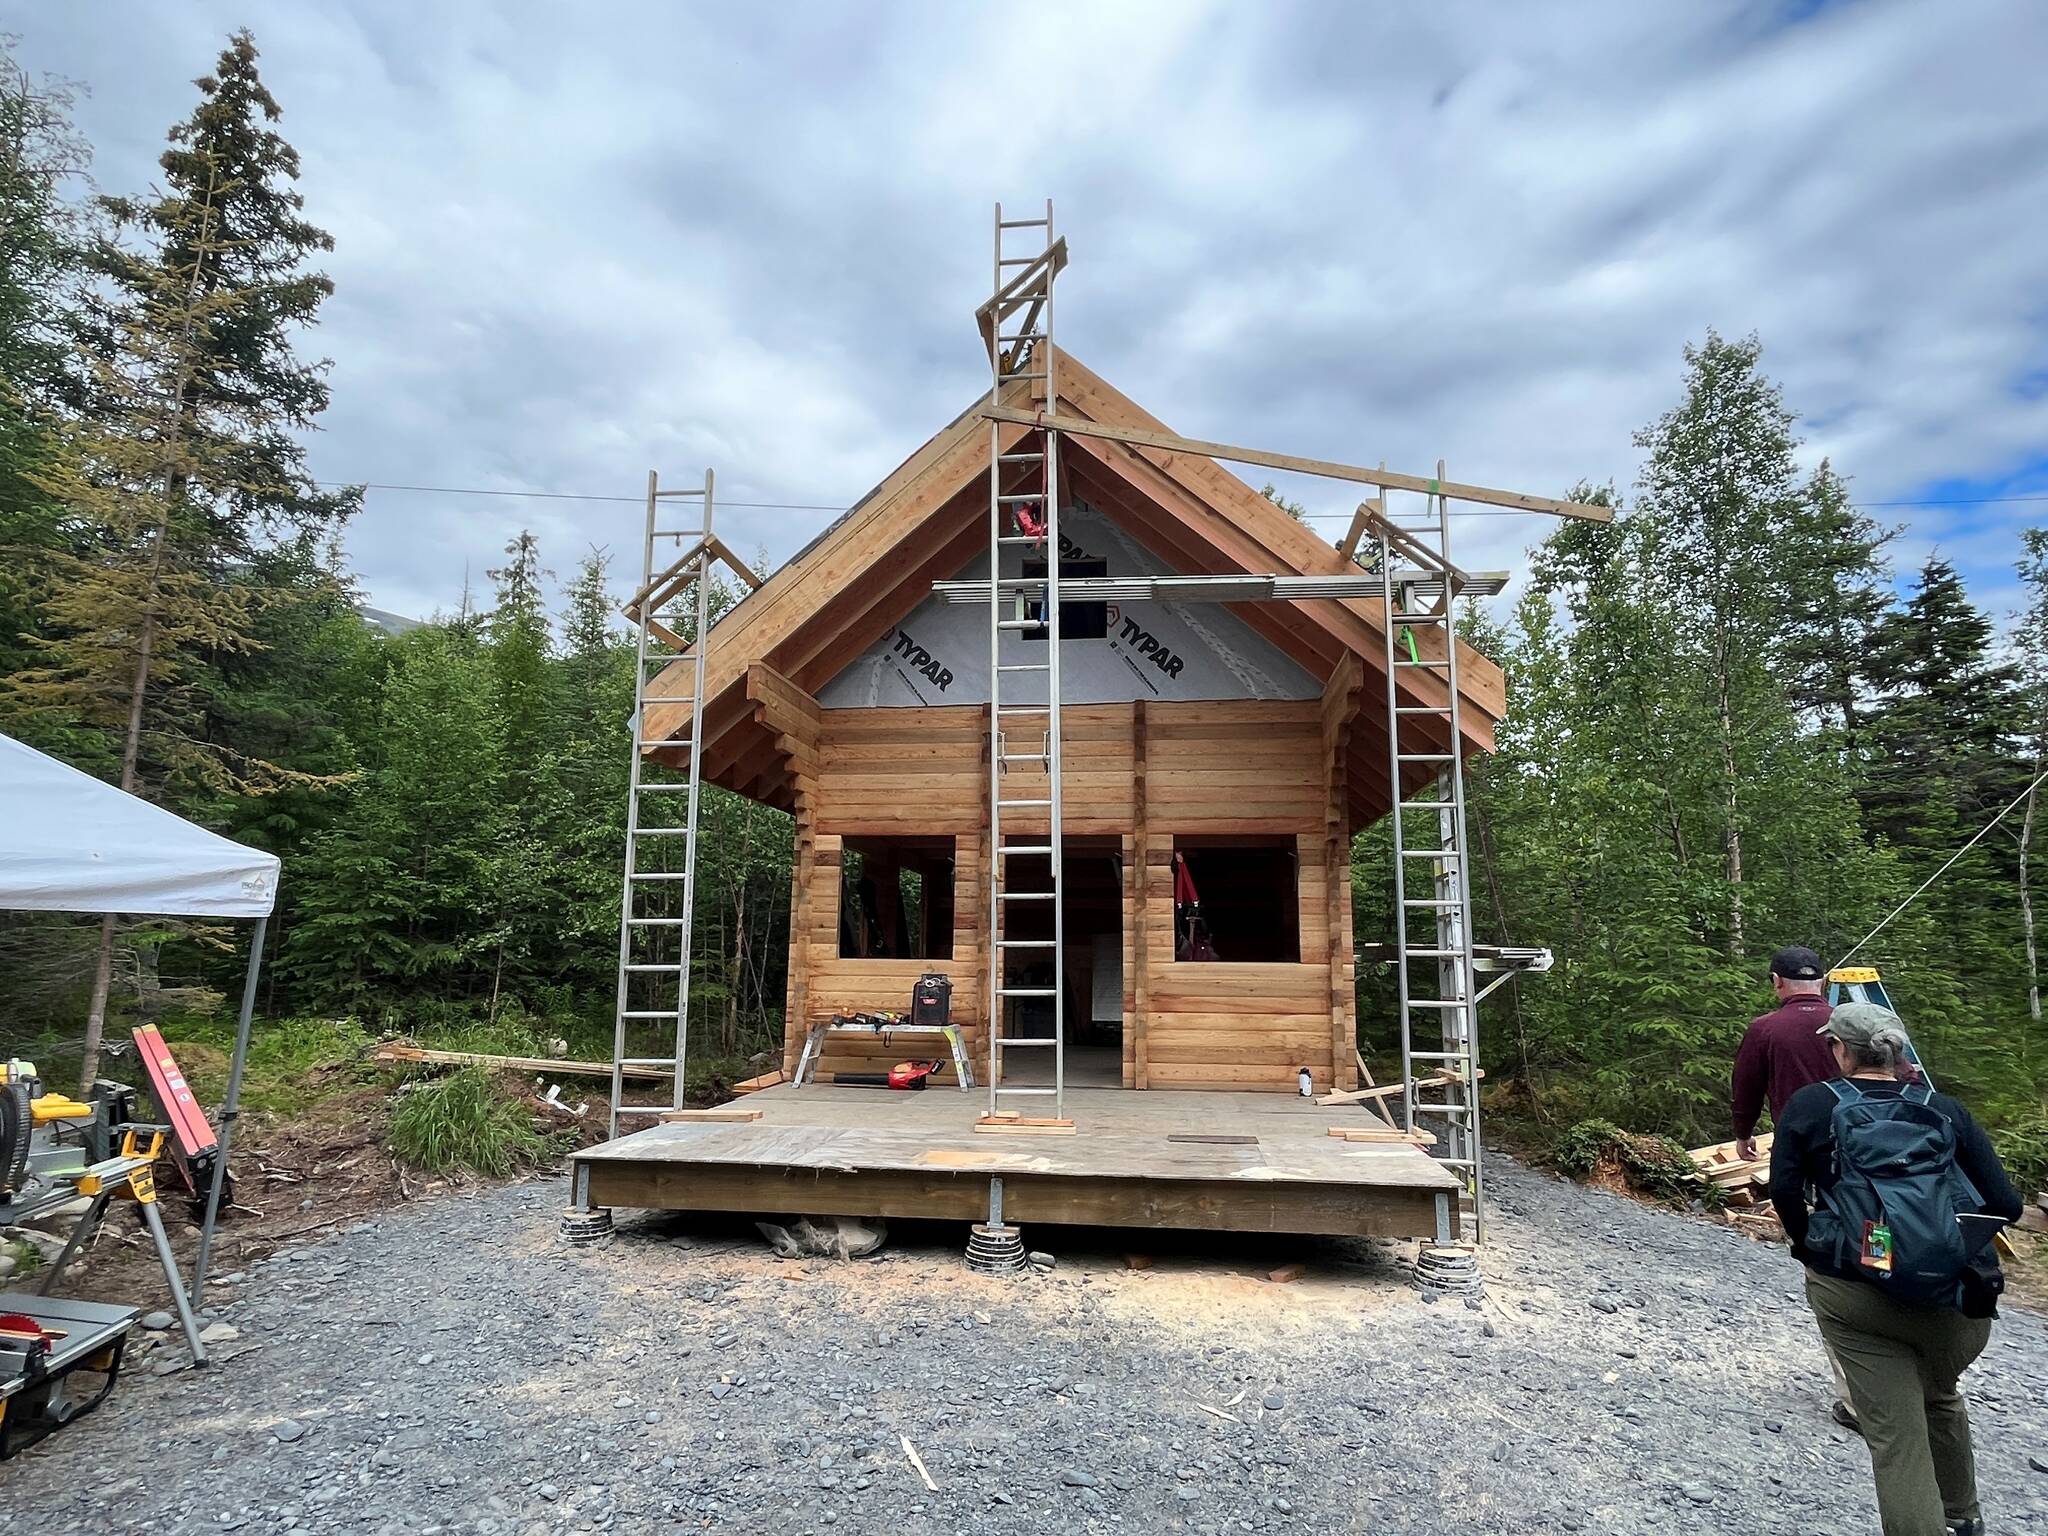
1861 1023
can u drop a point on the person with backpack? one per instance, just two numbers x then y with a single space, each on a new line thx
1907 1194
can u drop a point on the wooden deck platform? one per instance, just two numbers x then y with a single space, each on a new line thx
1232 1162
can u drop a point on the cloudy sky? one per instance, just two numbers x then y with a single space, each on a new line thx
577 242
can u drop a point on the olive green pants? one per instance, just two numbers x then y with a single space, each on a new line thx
1903 1364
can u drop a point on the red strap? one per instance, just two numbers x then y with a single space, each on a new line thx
1183 883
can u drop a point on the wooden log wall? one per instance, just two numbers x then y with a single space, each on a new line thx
1144 774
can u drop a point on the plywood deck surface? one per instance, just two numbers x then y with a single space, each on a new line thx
1118 1134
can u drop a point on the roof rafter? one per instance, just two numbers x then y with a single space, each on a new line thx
1385 479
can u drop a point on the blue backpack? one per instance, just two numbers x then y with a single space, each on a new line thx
1895 1213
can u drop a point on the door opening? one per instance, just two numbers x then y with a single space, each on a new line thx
1092 983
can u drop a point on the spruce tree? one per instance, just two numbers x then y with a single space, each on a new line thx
136 599
519 647
1946 716
184 458
1837 594
246 364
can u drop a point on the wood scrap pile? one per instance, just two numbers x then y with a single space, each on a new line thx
1723 1166
2034 1218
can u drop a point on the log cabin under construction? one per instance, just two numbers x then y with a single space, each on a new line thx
1248 738
1215 756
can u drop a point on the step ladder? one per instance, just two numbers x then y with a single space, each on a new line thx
658 899
1024 691
1439 1007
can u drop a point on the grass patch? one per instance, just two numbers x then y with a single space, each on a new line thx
28 1260
293 1063
468 1122
1601 1152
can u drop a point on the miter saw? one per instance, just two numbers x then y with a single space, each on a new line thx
98 1150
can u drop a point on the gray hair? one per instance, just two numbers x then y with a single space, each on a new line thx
1885 1049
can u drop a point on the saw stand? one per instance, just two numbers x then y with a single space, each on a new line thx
850 1024
57 1178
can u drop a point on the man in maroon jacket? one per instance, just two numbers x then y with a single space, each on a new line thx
1783 1050
1781 1053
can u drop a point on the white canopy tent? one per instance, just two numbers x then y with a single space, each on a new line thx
70 843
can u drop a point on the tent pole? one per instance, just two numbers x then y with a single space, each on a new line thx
229 1110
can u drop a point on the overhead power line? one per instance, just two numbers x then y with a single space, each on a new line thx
838 506
637 501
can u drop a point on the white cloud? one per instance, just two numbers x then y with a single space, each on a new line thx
571 244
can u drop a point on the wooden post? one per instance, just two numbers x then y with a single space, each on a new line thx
1340 703
1128 851
1140 879
799 952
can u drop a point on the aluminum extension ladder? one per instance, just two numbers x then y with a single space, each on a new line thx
1023 490
1429 835
654 975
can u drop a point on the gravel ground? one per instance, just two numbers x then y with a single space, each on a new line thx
454 1367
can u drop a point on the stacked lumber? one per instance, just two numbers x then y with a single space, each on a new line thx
1723 1166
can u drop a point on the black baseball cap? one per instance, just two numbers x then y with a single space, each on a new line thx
1795 962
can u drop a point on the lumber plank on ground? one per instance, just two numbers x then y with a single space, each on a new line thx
721 1113
536 1064
1024 1125
765 1080
1380 1133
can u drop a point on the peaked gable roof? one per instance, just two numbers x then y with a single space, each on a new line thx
859 578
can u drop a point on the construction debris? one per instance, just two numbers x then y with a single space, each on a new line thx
917 1461
824 1237
1369 1095
1724 1167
